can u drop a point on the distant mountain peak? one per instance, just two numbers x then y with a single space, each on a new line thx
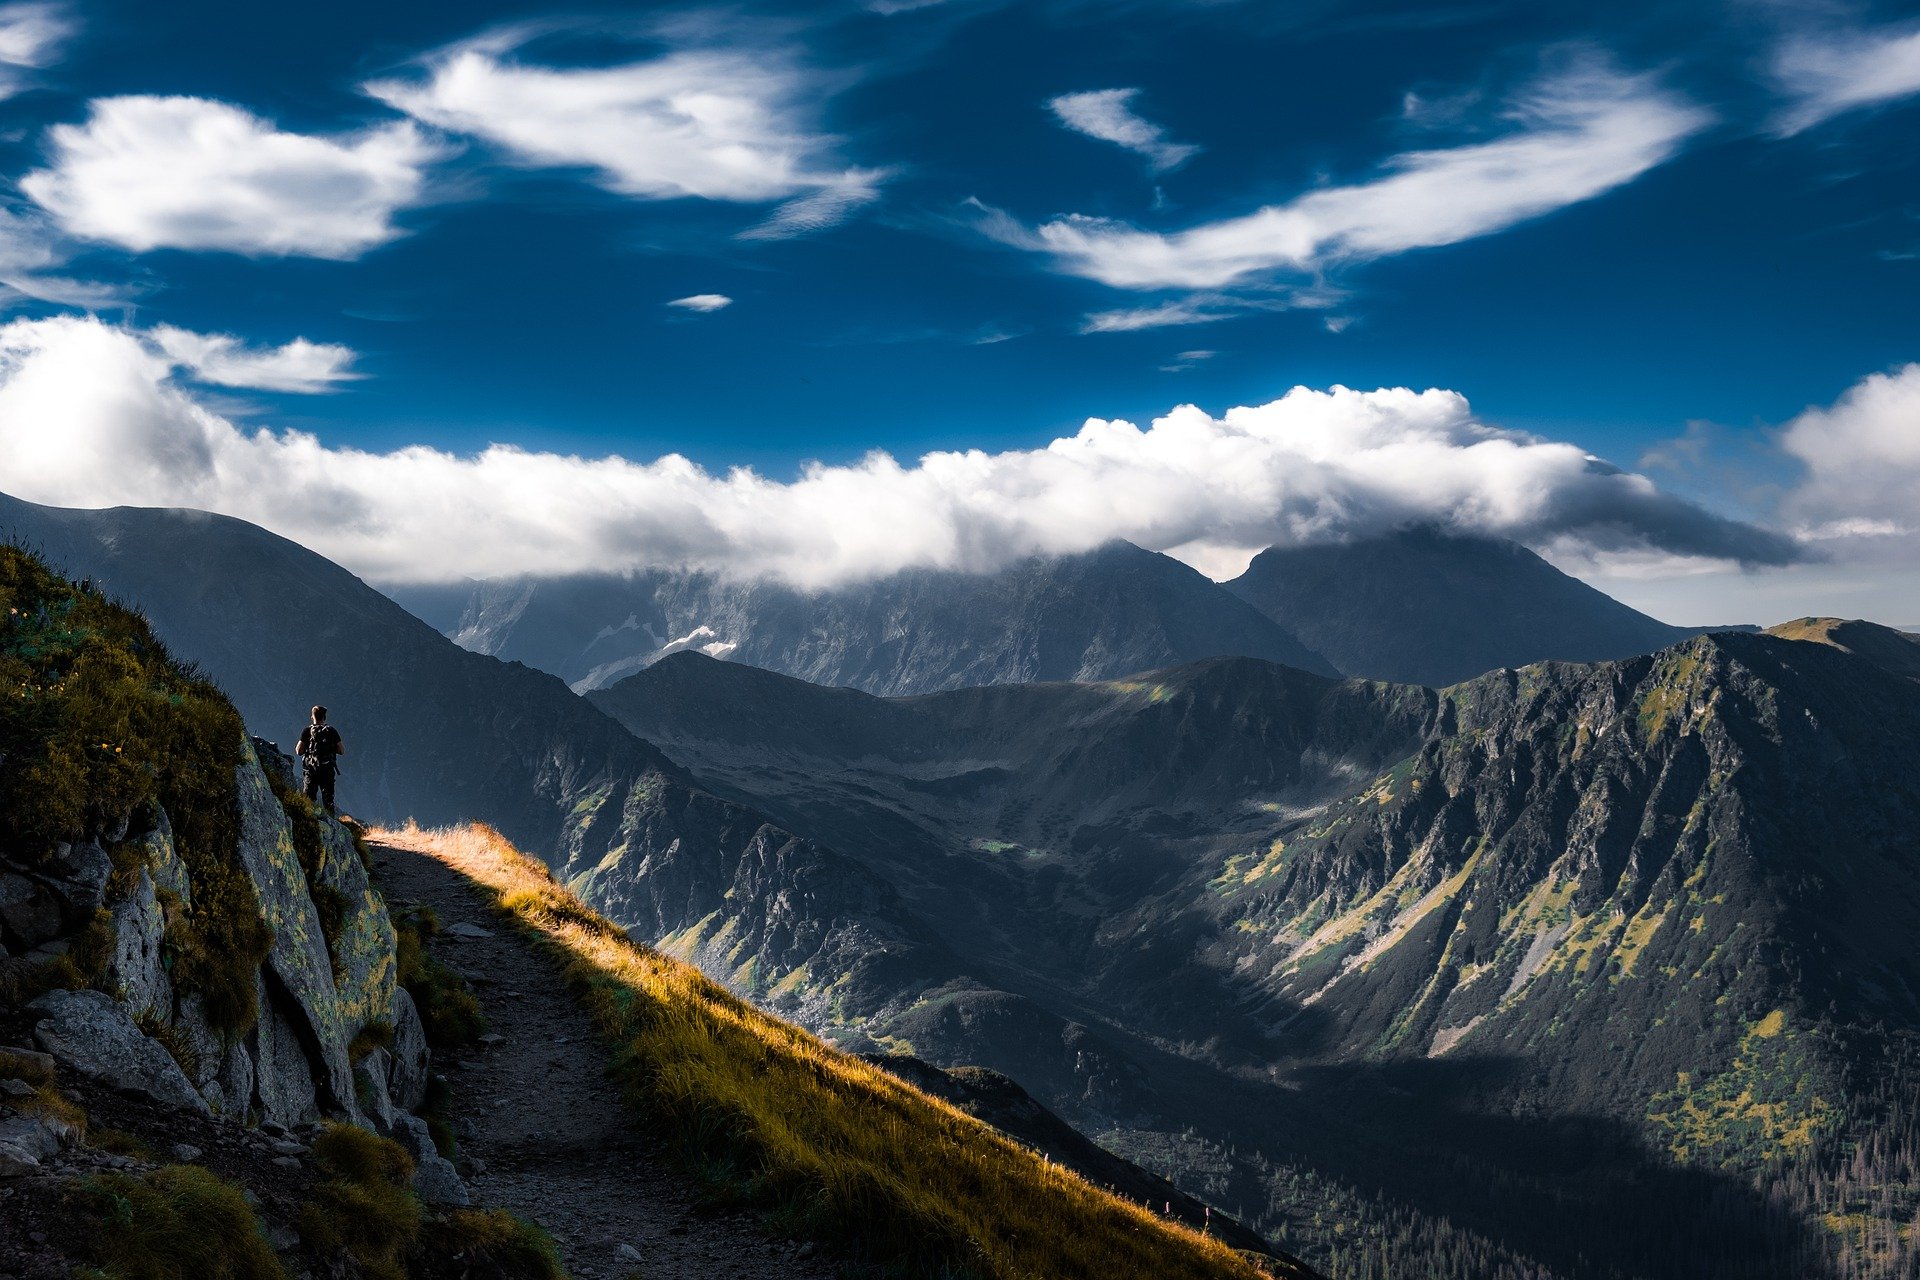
1428 605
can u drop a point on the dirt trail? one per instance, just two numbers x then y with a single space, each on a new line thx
553 1140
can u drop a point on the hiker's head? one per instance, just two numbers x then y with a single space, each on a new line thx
319 715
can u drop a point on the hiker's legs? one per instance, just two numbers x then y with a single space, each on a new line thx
311 777
326 790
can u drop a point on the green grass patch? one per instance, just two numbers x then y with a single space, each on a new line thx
179 1222
98 723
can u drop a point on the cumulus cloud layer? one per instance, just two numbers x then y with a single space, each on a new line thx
30 38
1573 137
225 361
149 172
1310 465
1108 114
1862 459
1828 74
712 124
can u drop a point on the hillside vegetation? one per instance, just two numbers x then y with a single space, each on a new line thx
833 1146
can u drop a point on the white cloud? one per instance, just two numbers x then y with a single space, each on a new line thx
1862 460
190 173
1827 74
30 251
225 361
1574 136
1159 316
710 124
1108 114
30 38
702 302
1309 465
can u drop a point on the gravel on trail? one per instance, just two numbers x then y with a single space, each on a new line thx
542 1127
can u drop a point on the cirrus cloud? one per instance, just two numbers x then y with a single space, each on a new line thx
710 124
31 35
1573 136
225 361
146 172
1108 114
1311 465
1828 74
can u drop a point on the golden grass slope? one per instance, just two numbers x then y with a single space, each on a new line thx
838 1149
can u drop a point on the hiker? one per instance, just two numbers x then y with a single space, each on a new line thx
319 750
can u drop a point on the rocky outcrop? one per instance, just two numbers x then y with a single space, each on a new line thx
93 1034
329 974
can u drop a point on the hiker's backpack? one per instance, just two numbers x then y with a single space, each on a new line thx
322 745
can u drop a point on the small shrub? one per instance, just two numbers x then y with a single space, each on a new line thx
176 1223
54 1107
120 1143
491 1243
365 1209
178 1047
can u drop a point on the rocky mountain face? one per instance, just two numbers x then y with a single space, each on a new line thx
1567 926
1426 607
1105 613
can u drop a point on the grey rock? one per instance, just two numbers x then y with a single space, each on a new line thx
288 1147
435 1180
29 913
15 1089
310 1017
465 930
80 872
283 1083
287 1162
185 1152
94 1035
409 1058
629 1253
135 969
370 1091
27 1143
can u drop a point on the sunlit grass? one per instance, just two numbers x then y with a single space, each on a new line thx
836 1148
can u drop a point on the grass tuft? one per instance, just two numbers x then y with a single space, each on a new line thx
176 1223
833 1146
492 1243
365 1209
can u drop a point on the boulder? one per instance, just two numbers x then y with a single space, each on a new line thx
93 1034
435 1180
29 912
370 1091
26 1143
409 1058
79 873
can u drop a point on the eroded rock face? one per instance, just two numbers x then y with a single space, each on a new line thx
92 1033
315 992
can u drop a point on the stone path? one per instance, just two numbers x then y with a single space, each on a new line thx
546 1127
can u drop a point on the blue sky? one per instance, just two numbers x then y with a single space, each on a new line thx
973 225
